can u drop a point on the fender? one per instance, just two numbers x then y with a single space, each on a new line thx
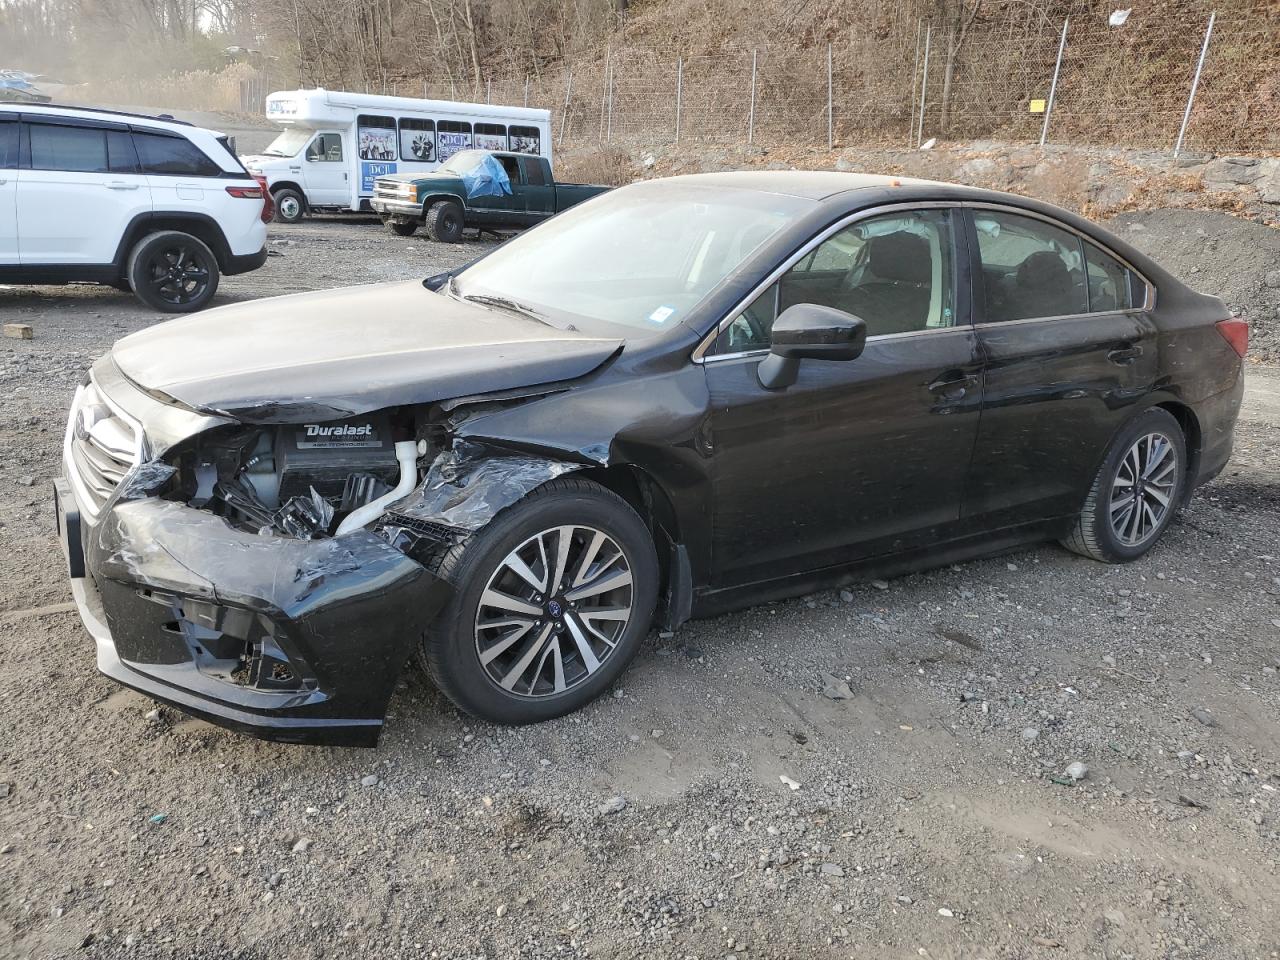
206 229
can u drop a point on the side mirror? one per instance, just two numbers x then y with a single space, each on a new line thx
812 332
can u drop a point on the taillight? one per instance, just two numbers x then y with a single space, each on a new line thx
1236 332
268 201
246 193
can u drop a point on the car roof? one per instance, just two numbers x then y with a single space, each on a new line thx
805 184
98 113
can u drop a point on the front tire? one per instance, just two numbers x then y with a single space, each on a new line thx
1137 491
290 206
173 272
402 228
554 598
444 222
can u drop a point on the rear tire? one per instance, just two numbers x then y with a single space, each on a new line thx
402 228
290 205
444 222
545 672
1137 491
173 272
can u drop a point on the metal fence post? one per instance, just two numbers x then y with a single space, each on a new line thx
831 126
609 135
1195 82
1053 87
604 89
568 89
488 90
924 87
751 116
526 89
915 78
679 93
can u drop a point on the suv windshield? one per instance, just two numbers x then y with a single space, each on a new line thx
640 257
289 143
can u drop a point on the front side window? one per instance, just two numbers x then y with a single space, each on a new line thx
1029 268
75 149
173 156
417 140
325 148
894 272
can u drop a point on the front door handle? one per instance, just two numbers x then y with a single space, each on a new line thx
952 385
1124 355
121 185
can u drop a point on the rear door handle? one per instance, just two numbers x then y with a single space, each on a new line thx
121 185
1124 355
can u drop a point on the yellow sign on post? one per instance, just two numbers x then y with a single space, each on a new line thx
1037 106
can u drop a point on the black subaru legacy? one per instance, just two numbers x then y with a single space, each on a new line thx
678 398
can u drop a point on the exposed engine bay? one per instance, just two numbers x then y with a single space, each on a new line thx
304 480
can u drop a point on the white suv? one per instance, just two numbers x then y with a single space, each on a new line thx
147 204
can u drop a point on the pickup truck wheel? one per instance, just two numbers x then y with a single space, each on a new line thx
444 222
554 598
173 272
402 228
290 206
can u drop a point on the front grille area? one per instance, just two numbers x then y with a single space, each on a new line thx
102 447
392 190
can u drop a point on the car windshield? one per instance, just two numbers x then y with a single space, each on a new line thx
640 257
463 162
289 143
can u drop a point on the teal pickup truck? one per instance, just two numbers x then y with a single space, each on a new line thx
463 192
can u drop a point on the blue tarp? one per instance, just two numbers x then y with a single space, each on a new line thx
487 179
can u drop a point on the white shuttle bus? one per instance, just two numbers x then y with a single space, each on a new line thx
335 144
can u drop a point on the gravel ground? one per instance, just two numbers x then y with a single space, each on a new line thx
719 803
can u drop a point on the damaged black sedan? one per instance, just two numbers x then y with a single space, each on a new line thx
678 398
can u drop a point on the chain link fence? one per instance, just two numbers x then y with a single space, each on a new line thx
1116 86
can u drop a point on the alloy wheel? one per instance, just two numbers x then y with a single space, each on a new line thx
554 611
177 275
1143 489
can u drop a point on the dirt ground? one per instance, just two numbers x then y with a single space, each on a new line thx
929 814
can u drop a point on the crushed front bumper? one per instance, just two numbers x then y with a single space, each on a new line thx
290 640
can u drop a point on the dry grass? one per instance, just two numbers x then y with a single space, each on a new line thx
606 165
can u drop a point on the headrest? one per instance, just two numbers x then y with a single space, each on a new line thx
900 256
1044 270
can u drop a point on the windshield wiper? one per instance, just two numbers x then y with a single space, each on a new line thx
502 303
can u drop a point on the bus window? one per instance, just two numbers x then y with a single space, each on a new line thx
524 140
452 136
417 140
376 137
491 136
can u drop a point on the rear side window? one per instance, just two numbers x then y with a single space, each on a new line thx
1029 268
524 139
121 156
173 156
74 149
417 140
8 145
534 173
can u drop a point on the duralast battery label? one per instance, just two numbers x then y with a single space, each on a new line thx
343 436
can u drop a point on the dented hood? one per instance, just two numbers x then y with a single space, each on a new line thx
339 353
